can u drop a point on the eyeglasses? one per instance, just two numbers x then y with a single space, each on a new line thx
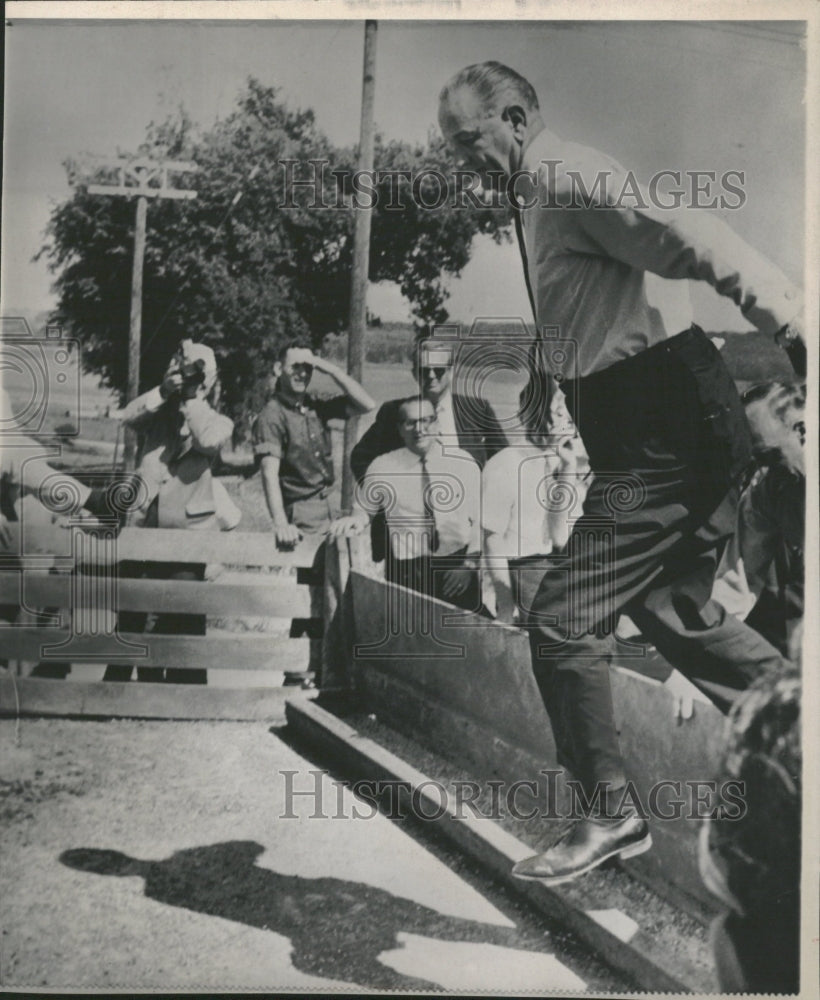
424 422
439 372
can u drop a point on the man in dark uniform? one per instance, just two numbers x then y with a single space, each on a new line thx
660 419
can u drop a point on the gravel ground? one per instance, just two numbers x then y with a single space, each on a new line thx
154 855
677 935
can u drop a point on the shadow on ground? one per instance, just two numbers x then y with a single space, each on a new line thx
337 928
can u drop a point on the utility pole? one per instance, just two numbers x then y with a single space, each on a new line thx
361 255
141 179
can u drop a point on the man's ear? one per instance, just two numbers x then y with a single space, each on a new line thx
517 115
277 368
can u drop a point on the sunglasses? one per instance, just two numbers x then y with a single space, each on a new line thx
438 371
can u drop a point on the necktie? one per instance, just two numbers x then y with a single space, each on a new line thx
522 246
429 512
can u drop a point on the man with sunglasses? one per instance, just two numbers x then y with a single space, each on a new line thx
292 443
660 419
466 422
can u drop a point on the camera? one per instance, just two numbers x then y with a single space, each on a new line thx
192 374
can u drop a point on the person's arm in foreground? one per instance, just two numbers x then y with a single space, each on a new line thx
558 515
498 572
696 244
456 581
496 510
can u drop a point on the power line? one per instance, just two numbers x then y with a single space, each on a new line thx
234 202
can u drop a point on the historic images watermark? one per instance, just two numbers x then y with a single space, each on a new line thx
555 185
430 800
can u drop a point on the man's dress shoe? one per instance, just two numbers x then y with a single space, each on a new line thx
587 844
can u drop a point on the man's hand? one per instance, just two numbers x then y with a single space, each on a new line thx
506 610
568 455
344 527
302 356
683 706
319 363
171 384
5 533
288 536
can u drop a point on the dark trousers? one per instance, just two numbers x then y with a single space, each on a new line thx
426 575
667 439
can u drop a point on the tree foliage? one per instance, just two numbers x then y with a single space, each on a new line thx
244 276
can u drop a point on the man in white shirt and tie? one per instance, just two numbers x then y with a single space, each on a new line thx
430 494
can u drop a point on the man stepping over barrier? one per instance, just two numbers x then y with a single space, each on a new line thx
660 419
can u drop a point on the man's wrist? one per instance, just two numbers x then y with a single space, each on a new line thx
786 335
790 339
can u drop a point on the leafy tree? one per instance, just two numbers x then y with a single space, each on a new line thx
243 276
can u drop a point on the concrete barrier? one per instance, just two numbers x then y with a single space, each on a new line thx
464 687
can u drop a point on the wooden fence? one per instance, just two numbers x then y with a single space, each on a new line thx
250 587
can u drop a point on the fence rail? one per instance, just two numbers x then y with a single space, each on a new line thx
63 591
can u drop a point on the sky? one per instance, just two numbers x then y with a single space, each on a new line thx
677 96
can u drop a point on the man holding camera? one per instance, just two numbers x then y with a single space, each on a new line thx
181 434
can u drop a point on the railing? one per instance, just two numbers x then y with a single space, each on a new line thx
464 687
250 585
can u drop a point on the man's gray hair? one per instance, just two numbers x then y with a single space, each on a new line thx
494 83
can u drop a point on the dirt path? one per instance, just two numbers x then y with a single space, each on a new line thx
158 855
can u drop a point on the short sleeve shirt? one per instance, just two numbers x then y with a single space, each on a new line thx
518 491
299 436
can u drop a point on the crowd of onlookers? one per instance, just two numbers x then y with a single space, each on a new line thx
458 504
470 509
